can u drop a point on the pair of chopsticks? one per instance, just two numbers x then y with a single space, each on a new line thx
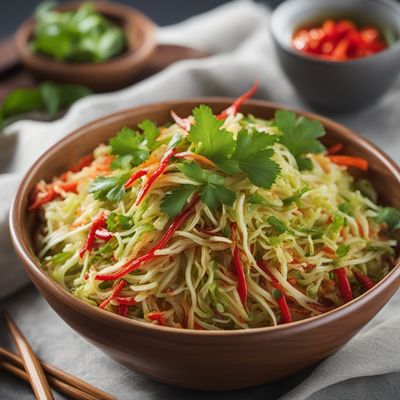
30 369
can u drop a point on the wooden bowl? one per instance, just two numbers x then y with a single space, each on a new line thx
202 359
103 76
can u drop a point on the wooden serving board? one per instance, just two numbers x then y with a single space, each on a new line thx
13 75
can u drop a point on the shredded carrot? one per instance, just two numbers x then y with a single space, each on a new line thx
197 157
349 161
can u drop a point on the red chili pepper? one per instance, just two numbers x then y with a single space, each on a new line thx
183 123
234 108
135 263
103 234
157 316
344 284
98 224
135 176
123 310
126 301
365 281
115 292
335 148
286 317
242 285
197 326
339 41
43 197
82 163
348 161
161 168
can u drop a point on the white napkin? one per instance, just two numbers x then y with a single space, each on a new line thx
237 34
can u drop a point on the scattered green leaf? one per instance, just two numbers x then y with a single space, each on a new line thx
389 216
300 135
109 187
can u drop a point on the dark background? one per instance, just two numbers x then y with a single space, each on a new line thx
163 12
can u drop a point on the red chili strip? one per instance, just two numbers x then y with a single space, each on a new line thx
98 224
126 301
161 168
365 281
115 292
43 197
157 316
335 148
103 234
123 310
344 284
135 176
286 316
183 123
234 108
242 285
133 264
82 163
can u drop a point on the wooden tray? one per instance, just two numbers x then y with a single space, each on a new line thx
13 75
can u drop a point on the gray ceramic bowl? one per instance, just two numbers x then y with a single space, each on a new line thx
338 86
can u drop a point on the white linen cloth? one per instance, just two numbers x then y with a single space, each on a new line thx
237 36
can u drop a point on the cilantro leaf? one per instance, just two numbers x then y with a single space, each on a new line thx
254 158
300 135
150 133
214 195
213 141
212 189
175 200
129 142
389 216
109 187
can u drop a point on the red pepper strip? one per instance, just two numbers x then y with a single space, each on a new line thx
197 326
234 108
123 310
135 176
183 123
82 163
242 285
161 168
97 224
286 317
44 198
344 284
366 282
126 301
133 264
335 148
103 234
348 161
115 292
157 316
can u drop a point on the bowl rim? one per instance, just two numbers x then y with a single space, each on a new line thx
307 57
68 299
113 9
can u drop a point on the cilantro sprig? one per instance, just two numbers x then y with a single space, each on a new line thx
109 187
132 147
300 135
210 186
249 154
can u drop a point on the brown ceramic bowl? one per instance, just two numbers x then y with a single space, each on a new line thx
109 75
202 359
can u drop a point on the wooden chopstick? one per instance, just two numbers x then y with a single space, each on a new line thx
32 366
58 385
55 375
